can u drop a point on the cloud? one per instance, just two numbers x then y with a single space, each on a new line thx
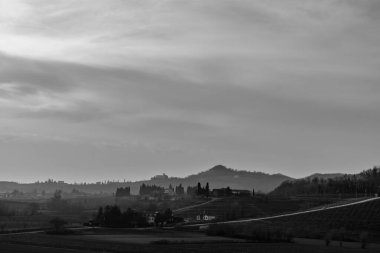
35 88
272 84
136 32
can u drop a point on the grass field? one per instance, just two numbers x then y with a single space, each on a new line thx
14 248
38 221
17 215
347 222
237 207
357 218
92 241
354 219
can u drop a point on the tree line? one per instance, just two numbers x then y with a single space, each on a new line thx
151 190
113 216
154 190
123 191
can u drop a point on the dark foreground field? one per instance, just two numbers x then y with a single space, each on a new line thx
187 248
151 241
37 249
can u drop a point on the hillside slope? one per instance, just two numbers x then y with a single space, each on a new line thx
354 219
232 208
364 183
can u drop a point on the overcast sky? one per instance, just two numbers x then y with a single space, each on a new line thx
94 90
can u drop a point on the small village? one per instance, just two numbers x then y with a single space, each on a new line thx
158 193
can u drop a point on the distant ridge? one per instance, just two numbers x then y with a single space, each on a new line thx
221 176
218 176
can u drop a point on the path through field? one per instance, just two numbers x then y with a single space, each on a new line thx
288 214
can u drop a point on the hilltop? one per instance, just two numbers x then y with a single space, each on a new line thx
221 176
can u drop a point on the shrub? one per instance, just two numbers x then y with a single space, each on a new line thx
329 236
341 236
364 239
58 225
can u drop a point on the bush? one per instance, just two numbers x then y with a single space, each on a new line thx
341 236
329 236
58 225
364 239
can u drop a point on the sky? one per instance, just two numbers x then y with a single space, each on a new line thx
94 90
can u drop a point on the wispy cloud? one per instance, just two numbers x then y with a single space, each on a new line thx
180 85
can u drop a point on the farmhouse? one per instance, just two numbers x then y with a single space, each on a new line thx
204 217
242 193
227 192
151 218
169 191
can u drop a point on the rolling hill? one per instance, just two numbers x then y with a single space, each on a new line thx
217 177
220 176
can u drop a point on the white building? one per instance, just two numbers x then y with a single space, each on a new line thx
151 218
205 217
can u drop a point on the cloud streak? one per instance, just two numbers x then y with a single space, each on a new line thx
280 86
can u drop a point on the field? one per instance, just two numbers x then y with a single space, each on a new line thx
161 205
37 249
346 223
14 223
151 236
160 241
354 219
358 218
260 206
25 214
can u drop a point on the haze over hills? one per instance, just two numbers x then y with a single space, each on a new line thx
325 176
219 176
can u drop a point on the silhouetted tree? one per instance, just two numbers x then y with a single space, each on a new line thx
165 217
363 239
192 190
179 190
203 191
152 190
199 189
123 192
58 224
112 216
56 202
34 207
